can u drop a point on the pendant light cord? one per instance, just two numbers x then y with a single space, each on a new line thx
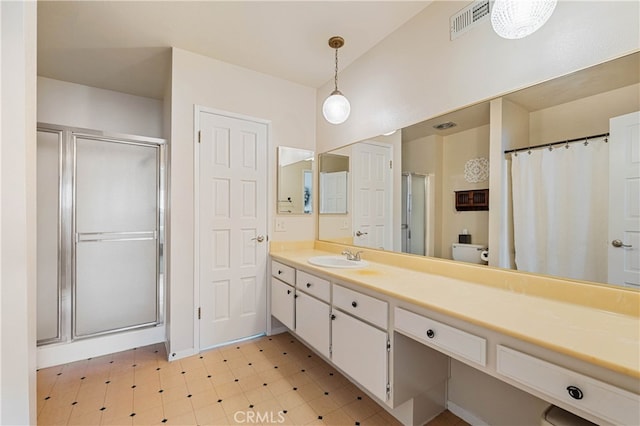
335 79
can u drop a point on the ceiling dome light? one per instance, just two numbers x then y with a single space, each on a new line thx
336 107
515 19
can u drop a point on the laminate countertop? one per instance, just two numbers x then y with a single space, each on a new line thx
596 324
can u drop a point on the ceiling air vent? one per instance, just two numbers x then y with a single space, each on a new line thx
468 17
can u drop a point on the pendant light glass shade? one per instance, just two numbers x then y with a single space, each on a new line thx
336 108
515 19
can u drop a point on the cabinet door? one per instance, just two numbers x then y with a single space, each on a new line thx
360 350
312 322
282 303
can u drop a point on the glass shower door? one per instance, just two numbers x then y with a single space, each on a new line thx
116 230
49 282
414 191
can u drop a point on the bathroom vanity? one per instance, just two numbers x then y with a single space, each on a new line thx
396 326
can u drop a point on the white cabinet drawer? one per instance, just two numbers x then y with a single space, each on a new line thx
283 272
439 335
366 307
313 285
600 399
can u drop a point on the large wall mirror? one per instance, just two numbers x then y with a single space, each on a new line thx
444 181
295 181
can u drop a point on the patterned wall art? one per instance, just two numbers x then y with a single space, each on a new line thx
476 170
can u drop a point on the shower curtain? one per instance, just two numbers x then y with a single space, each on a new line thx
560 210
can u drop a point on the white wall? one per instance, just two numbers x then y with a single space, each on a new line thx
17 213
418 73
76 105
198 80
458 148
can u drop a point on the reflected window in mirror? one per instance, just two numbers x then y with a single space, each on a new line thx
295 181
334 183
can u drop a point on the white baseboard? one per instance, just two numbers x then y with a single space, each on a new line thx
278 330
63 353
465 415
173 356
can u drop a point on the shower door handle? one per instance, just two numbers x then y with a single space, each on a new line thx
618 243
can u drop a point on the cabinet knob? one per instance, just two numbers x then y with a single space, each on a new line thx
279 272
333 317
575 392
431 334
354 304
288 291
308 285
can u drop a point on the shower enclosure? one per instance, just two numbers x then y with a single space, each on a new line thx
417 214
100 233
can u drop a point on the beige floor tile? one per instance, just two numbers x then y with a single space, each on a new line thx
235 403
344 395
338 417
185 419
280 386
302 414
251 383
310 391
54 414
361 409
227 390
173 394
201 399
290 399
221 377
143 401
375 420
117 409
261 393
271 375
323 405
117 421
177 408
60 399
200 384
85 418
211 414
388 418
150 416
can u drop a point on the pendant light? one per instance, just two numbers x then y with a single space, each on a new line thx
515 19
336 107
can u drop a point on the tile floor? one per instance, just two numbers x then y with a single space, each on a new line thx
268 380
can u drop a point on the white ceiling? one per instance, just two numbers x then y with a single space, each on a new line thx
124 46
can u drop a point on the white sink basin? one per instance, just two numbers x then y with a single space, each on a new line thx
337 262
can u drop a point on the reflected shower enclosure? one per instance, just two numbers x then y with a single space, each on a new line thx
417 214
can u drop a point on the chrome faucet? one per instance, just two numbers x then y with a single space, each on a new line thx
351 256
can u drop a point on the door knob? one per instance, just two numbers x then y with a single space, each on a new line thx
259 238
360 234
618 243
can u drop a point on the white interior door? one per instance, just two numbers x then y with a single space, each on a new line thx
624 200
232 228
372 195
